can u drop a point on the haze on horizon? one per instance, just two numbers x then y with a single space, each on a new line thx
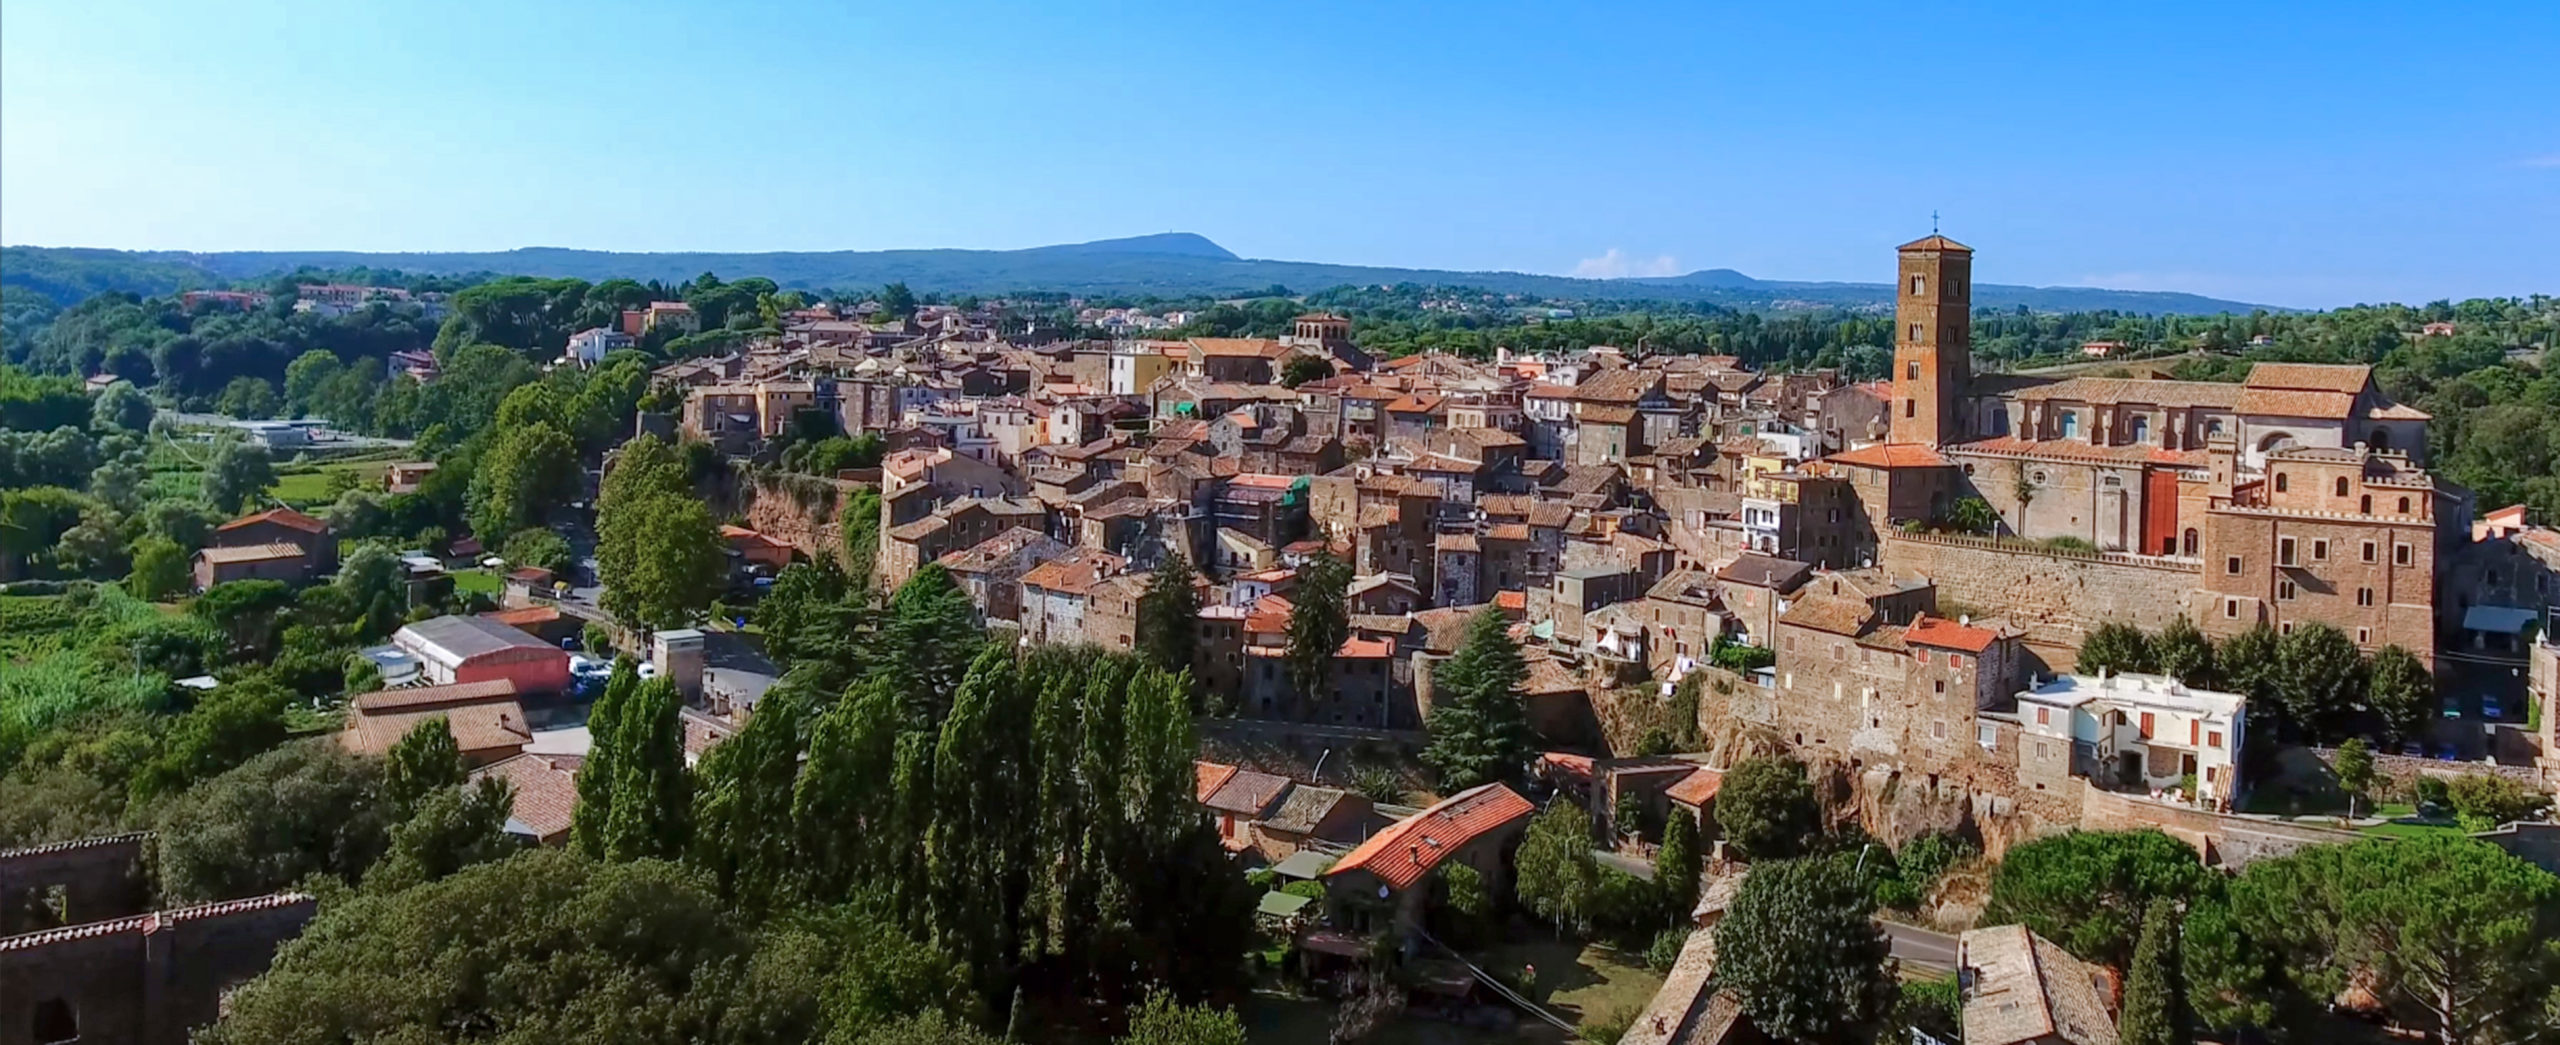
2294 154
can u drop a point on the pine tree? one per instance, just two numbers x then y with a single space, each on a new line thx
1479 728
927 641
596 774
2154 995
1319 622
424 761
1169 616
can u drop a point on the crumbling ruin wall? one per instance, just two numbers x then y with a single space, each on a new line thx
68 883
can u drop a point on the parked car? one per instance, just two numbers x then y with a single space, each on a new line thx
570 643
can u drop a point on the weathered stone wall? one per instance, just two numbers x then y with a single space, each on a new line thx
2056 595
2232 841
99 878
147 979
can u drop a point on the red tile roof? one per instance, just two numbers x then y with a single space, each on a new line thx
1697 788
1405 853
1935 242
1926 630
2310 377
1512 600
2075 450
284 516
1890 455
1212 776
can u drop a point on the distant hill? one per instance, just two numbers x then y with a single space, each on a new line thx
1171 264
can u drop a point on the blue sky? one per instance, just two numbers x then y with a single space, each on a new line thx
2299 154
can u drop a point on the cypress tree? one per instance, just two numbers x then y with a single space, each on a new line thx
1169 616
596 774
1677 865
744 830
2154 995
652 814
1319 622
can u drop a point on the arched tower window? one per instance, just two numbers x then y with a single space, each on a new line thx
2190 542
2365 504
2280 483
2342 486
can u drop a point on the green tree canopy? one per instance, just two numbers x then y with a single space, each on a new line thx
2459 933
1801 949
1767 808
2320 676
1479 728
1169 616
2088 890
301 809
1319 622
2154 1011
2113 647
1556 876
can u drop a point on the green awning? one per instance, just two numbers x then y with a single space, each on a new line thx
1304 864
1282 905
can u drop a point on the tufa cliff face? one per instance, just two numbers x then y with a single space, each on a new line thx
804 511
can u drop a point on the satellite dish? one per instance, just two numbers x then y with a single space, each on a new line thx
1382 892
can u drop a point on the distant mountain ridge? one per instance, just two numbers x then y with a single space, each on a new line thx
1170 264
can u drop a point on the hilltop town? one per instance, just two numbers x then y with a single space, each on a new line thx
1099 677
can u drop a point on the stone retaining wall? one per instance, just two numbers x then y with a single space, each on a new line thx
2056 595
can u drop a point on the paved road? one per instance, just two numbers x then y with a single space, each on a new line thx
1918 946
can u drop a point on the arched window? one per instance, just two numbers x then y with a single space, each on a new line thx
2404 506
2190 543
2365 504
2342 486
1999 422
2279 482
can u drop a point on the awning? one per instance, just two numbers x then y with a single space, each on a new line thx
2498 620
1305 865
1282 905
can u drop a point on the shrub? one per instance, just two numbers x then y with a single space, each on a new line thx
1665 951
2483 801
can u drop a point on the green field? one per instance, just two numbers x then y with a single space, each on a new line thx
483 581
177 470
1578 982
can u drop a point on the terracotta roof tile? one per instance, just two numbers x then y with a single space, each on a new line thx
1248 793
1212 776
2347 379
1940 632
283 516
1698 788
1890 455
1406 852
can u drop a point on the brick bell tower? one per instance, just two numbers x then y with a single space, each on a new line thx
1933 341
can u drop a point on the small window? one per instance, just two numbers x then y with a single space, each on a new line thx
2285 628
2230 565
1940 687
2041 751
2364 636
1910 408
2364 596
2404 506
2280 482
1938 730
2400 555
1919 285
1915 333
2365 504
1911 370
2319 551
1924 656
2194 732
2284 591
2284 551
2231 608
2213 738
2147 723
2342 486
2369 552
2044 717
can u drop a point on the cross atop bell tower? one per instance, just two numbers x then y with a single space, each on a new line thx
1932 341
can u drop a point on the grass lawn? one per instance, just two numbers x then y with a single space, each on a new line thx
308 486
481 581
1578 982
2397 829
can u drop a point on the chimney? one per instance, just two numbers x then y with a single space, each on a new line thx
1413 851
1964 619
